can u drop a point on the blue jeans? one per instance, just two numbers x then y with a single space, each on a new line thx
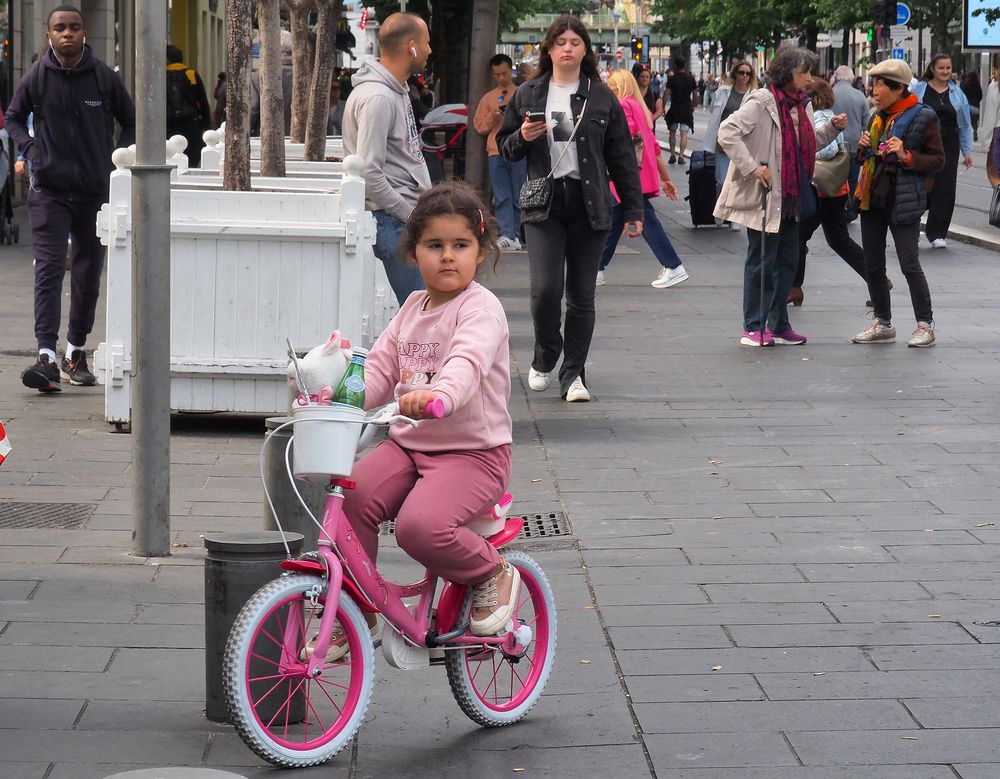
403 277
780 261
721 168
652 231
507 179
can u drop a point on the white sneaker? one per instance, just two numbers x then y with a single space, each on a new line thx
939 243
577 392
503 242
600 278
670 276
538 381
515 244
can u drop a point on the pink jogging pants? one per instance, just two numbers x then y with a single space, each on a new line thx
432 495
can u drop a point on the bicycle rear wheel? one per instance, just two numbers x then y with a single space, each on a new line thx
284 716
495 689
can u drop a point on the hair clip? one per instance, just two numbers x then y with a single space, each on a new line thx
482 223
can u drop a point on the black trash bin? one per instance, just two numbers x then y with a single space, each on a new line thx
290 512
236 566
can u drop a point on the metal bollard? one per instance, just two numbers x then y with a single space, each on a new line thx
290 512
236 566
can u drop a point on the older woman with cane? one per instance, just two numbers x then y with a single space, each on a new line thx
771 142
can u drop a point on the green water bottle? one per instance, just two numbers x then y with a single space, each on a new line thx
351 390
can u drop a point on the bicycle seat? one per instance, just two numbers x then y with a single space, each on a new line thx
494 520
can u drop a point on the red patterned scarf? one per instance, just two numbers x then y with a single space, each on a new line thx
798 154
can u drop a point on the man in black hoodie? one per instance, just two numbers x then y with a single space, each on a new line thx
75 99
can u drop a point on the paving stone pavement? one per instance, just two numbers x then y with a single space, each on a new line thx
787 563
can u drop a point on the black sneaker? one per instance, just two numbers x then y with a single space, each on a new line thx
42 376
74 369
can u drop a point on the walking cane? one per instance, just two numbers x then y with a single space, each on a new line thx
763 256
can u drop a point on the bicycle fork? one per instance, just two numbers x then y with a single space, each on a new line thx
314 667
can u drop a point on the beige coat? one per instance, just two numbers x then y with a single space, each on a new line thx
750 136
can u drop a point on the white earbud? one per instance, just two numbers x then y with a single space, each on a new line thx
413 51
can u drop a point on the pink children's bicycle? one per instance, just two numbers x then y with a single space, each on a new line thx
299 665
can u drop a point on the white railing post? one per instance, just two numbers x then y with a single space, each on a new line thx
114 228
211 155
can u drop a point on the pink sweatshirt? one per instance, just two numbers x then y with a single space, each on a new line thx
649 173
460 352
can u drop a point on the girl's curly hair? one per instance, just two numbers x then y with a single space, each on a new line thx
451 198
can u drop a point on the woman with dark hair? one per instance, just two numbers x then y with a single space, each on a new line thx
573 132
899 154
973 92
937 90
728 99
831 214
772 144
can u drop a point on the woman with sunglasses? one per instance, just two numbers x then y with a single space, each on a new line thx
728 98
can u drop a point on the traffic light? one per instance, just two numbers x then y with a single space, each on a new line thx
884 13
636 48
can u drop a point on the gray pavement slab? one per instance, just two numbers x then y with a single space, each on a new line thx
763 538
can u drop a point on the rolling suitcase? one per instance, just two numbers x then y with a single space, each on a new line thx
701 188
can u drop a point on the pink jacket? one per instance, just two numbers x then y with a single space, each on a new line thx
649 174
460 352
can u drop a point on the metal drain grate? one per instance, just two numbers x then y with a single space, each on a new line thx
537 527
31 516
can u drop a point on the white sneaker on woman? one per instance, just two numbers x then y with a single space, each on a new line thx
538 381
670 276
577 392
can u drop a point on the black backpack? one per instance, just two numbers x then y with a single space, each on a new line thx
181 103
36 88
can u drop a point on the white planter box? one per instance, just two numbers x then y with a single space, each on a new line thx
248 270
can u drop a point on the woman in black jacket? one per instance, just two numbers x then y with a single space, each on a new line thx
899 154
570 127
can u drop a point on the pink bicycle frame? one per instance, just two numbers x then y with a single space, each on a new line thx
372 593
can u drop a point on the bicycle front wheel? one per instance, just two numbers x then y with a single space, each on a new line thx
495 689
284 716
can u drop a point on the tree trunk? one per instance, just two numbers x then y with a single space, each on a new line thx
272 120
298 14
449 40
319 96
483 41
236 168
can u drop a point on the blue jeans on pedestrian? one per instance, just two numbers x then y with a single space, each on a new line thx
506 179
780 260
404 278
721 168
652 231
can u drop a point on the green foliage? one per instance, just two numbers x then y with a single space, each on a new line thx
740 25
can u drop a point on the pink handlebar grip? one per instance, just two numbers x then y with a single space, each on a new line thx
434 409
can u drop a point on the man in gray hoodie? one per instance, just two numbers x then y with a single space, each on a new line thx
380 127
850 101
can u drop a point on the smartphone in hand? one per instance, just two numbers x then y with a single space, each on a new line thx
535 116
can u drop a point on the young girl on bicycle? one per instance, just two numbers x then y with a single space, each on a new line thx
449 341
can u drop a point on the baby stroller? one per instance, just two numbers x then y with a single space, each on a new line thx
442 136
10 233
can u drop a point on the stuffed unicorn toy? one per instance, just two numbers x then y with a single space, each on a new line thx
322 369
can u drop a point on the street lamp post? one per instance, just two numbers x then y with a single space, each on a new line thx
616 16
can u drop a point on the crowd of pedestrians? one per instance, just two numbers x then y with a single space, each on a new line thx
574 164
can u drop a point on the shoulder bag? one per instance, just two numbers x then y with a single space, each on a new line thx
995 207
830 175
536 193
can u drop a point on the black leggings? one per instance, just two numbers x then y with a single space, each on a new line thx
832 216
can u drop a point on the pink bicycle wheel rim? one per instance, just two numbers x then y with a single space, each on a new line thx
536 657
299 681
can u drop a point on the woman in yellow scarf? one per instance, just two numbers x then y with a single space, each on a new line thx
899 154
